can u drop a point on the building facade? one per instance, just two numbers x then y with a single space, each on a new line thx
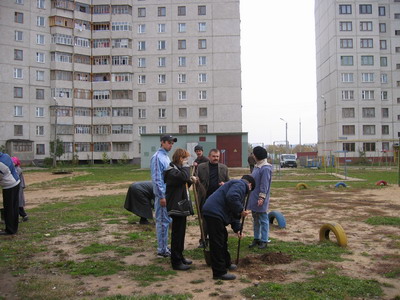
358 77
98 74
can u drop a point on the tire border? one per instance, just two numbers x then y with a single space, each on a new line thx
301 186
381 183
274 214
340 184
336 229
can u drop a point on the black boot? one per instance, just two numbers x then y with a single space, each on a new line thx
255 242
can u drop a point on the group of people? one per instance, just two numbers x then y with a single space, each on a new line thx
13 184
222 203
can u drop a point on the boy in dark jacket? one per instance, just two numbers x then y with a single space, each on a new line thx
225 206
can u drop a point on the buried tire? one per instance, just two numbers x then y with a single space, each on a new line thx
337 230
279 218
340 184
381 183
301 186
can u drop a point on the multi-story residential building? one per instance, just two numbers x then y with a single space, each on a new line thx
358 77
98 74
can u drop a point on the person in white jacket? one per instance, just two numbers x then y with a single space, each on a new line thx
10 181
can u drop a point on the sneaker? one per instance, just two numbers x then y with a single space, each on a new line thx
26 218
232 267
226 276
164 255
254 243
144 221
262 245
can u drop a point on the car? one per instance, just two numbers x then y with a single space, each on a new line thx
288 160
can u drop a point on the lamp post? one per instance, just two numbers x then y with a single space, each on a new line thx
55 133
286 140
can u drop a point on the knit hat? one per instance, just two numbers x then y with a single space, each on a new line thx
260 153
16 161
198 147
251 180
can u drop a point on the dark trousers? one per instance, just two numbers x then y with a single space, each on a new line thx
218 239
11 206
22 211
177 239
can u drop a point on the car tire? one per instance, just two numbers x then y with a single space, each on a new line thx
301 186
381 183
340 184
272 215
337 230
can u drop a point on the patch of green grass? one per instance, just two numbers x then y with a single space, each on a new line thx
197 281
395 273
148 274
91 267
151 297
327 286
143 235
381 220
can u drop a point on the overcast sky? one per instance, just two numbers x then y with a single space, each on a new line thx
278 70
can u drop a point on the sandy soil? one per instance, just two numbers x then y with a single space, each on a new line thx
305 212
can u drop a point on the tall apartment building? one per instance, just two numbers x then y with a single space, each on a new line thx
99 73
358 76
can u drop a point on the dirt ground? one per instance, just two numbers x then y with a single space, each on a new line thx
305 212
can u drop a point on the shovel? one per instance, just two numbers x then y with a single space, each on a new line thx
207 254
241 228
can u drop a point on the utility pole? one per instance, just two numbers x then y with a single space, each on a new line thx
55 133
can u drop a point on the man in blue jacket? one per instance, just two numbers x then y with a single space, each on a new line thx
225 206
10 181
158 164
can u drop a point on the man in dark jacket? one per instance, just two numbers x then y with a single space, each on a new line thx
224 207
140 200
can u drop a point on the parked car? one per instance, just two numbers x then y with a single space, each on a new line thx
288 160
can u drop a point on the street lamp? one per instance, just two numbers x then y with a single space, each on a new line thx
287 146
55 133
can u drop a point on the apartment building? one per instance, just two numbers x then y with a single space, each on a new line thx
97 74
358 77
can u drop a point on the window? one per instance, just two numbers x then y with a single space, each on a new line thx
367 95
121 77
40 21
181 27
348 112
203 128
18 35
40 57
18 17
348 129
18 92
18 54
203 112
20 2
183 129
368 112
101 43
397 16
162 78
162 129
182 78
162 61
346 43
18 111
366 43
18 73
181 44
382 11
347 77
345 26
182 95
162 28
365 9
101 26
40 150
202 26
39 112
82 42
385 112
40 75
141 79
182 61
40 40
181 10
40 3
101 147
349 147
142 130
383 61
397 49
121 60
162 114
345 9
142 96
384 95
141 45
385 146
142 28
366 26
121 10
182 112
121 26
162 11
201 10
40 130
367 60
141 12
161 45
202 43
382 27
162 96
18 130
397 32
348 95
101 94
202 77
142 62
121 43
368 147
40 94
367 77
202 95
383 44
202 60
346 60
101 9
142 113
368 129
384 78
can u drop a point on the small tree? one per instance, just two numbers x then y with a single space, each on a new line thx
105 158
59 151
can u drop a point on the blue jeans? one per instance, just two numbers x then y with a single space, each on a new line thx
260 226
162 225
